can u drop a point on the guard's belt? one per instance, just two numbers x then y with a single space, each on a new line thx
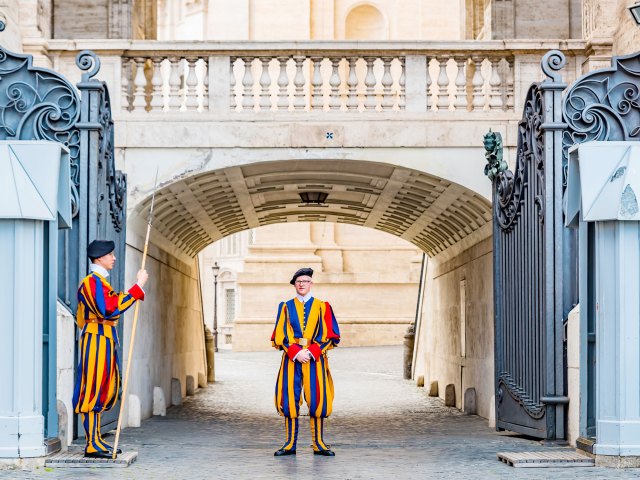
102 321
301 341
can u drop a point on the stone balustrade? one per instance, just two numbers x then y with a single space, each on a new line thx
356 77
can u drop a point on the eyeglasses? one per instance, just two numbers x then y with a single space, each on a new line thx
302 282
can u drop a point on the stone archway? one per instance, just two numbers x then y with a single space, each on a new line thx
448 221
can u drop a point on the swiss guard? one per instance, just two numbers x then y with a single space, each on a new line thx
305 330
99 309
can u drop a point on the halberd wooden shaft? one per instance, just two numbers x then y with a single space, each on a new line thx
133 328
130 357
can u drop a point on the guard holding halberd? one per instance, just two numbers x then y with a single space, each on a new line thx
99 309
305 330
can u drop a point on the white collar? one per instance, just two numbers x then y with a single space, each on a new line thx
303 299
99 270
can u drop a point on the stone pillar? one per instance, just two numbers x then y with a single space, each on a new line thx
416 83
598 25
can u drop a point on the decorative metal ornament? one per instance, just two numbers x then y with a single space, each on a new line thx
494 153
39 104
603 105
116 182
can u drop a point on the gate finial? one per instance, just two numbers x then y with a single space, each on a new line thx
552 63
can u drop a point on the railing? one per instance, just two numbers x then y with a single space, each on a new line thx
317 76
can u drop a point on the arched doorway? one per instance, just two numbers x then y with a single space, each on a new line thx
447 221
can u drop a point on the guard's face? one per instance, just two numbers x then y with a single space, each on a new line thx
107 261
303 285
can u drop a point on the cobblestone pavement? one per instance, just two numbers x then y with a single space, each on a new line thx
383 428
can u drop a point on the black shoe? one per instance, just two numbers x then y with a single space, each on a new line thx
98 455
282 452
324 453
118 452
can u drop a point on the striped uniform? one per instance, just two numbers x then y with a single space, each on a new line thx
98 379
315 322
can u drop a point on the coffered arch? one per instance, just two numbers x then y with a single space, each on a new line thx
433 213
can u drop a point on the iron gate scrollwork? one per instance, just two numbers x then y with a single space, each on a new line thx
531 249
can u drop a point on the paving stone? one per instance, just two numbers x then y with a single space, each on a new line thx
383 427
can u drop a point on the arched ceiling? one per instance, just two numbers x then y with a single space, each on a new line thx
429 212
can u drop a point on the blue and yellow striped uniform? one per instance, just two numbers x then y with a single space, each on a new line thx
314 321
98 378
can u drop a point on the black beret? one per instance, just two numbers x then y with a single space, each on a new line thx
99 248
303 271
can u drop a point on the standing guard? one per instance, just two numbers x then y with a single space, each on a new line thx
305 330
99 309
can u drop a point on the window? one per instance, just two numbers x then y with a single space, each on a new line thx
231 245
229 305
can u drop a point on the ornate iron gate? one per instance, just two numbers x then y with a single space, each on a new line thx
40 104
534 288
102 190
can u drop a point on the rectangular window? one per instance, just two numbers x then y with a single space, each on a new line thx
230 305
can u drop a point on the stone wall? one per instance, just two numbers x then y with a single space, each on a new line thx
80 19
169 339
626 38
469 275
65 348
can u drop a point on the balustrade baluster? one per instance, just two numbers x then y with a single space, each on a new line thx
265 84
157 102
352 102
461 83
283 84
402 81
387 81
126 82
478 83
334 81
429 82
370 82
140 82
510 84
443 84
247 83
232 85
191 84
175 99
298 99
205 83
495 103
316 98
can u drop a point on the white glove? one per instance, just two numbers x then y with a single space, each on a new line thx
302 356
